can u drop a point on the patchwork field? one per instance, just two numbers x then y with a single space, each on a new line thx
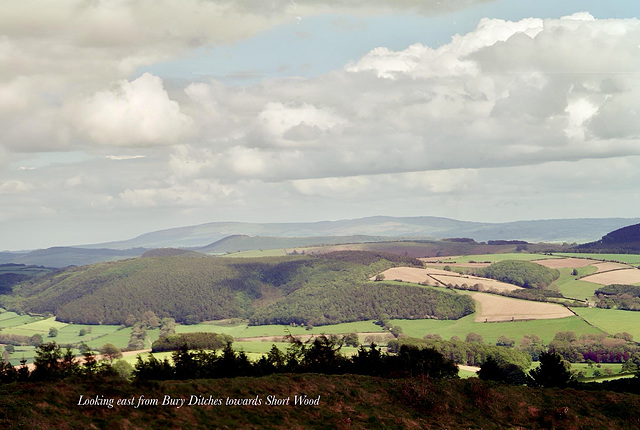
482 258
622 276
609 265
633 259
497 308
438 277
556 263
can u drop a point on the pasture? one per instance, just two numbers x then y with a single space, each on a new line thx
12 319
556 263
612 321
572 287
633 259
545 329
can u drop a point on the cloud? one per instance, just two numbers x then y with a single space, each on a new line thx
124 157
506 94
137 113
14 187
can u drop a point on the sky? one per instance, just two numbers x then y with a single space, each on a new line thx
123 117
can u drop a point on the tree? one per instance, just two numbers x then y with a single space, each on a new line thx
82 332
396 331
9 348
150 319
629 367
554 371
167 327
490 370
50 363
138 335
123 368
35 340
53 332
474 337
130 320
505 341
495 370
110 351
351 339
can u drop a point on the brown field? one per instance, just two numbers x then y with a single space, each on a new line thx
609 265
486 283
410 274
496 308
571 263
622 276
443 277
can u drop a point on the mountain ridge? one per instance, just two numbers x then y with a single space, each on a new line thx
426 227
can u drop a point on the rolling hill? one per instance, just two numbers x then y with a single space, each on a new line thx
311 290
622 240
559 230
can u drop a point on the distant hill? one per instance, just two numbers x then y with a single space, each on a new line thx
558 230
63 256
12 274
223 237
622 240
239 242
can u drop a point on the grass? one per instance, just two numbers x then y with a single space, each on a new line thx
569 286
633 259
279 330
589 370
12 319
545 329
20 352
464 374
612 321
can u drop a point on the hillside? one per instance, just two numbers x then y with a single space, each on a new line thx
63 256
559 230
314 290
346 401
622 240
241 242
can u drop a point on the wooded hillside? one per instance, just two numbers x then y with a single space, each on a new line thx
330 288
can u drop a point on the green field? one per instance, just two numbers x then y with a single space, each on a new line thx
545 329
243 330
633 259
12 319
570 287
612 321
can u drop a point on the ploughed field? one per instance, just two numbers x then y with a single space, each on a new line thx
495 308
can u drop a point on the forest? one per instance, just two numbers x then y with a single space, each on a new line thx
310 290
522 273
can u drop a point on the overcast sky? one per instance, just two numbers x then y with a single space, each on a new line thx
121 117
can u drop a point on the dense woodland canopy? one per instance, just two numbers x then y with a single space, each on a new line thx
326 289
522 273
